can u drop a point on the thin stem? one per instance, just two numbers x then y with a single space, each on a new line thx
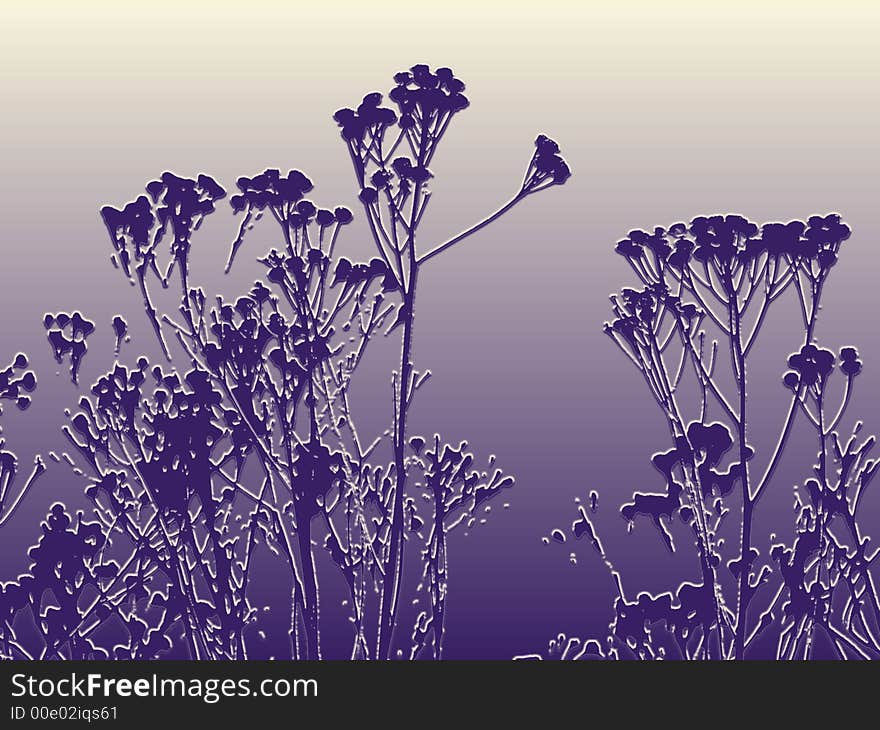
473 229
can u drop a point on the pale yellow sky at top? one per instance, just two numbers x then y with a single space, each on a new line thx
648 37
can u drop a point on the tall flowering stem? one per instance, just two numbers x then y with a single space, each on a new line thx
731 271
391 151
714 280
245 447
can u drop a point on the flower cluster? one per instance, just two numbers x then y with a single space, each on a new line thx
130 229
67 334
172 203
546 168
811 366
426 97
270 189
251 441
850 364
368 120
707 287
728 240
181 202
14 386
284 196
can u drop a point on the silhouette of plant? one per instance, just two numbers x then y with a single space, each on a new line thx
67 334
149 452
246 440
16 382
61 576
264 361
453 491
714 280
391 153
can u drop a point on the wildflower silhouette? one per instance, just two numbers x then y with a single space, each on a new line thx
67 334
120 330
391 153
16 385
244 446
714 280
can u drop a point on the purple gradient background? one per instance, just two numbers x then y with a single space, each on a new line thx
663 115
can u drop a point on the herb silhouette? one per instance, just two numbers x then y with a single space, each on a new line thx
16 385
243 445
705 289
67 335
391 153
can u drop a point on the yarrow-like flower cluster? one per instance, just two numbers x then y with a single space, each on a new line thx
130 229
425 97
732 239
547 166
171 201
284 196
182 201
174 204
426 101
823 237
67 333
369 119
812 365
637 312
14 385
270 189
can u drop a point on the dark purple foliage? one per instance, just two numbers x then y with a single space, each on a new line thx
245 448
708 282
16 385
391 153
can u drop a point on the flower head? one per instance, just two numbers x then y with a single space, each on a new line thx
269 188
423 96
67 334
368 119
811 366
547 166
14 385
849 361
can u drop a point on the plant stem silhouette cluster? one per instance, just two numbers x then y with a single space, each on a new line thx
705 289
243 446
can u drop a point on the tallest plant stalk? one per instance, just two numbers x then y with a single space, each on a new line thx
391 590
391 152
